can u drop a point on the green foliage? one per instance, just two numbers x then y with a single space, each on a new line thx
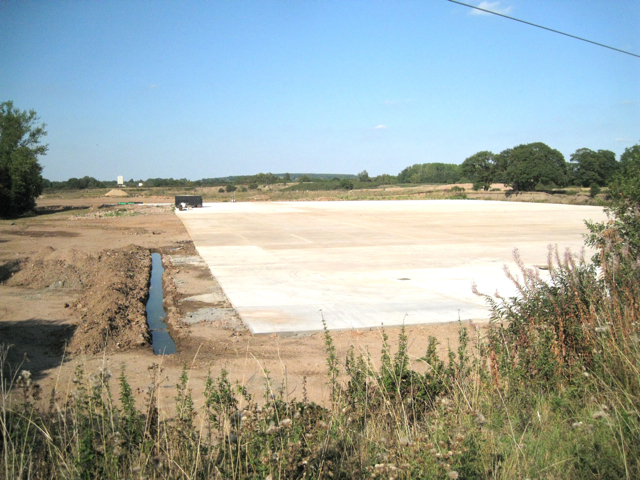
593 168
594 190
20 172
622 232
439 173
230 188
75 184
480 168
333 370
363 176
184 403
535 164
346 184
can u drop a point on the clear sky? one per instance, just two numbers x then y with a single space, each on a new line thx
201 89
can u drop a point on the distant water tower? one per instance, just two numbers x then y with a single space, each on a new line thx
120 181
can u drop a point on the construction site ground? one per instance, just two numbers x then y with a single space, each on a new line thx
73 284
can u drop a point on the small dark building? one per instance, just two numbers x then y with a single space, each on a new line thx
193 201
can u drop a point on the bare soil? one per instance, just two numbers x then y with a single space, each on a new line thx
73 287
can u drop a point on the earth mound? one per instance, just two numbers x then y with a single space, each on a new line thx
116 192
111 309
52 268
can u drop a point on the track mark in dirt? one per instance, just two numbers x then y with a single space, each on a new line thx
41 233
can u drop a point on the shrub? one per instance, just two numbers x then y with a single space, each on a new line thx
346 184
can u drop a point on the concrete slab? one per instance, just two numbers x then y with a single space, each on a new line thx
363 264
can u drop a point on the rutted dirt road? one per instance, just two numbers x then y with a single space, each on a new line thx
73 287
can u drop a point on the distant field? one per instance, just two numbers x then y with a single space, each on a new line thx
279 192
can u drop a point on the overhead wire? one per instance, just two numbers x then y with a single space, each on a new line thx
545 28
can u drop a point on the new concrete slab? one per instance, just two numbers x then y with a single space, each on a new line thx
285 265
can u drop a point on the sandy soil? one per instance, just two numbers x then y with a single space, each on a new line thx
74 282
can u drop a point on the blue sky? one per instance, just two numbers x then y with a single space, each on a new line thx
206 89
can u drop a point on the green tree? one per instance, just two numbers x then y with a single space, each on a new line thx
593 168
346 184
624 189
287 178
532 167
20 172
363 176
430 173
480 169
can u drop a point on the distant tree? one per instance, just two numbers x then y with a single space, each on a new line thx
430 173
287 178
363 176
629 160
385 178
589 167
304 178
532 166
480 169
20 172
230 188
346 184
253 186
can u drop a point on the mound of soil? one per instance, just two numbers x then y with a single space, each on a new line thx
112 310
51 268
114 286
116 192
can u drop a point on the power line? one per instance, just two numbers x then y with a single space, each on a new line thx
545 28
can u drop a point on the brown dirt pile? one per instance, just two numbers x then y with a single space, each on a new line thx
51 268
114 286
112 310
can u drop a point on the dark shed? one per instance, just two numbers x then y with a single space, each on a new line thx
193 201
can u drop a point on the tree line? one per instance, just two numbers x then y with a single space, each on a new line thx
536 166
529 167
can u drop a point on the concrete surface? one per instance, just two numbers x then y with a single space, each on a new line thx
362 264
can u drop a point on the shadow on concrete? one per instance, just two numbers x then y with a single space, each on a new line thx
34 345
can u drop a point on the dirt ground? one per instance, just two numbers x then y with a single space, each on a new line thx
73 287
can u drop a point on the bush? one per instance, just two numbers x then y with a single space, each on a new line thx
230 188
594 190
221 190
346 184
